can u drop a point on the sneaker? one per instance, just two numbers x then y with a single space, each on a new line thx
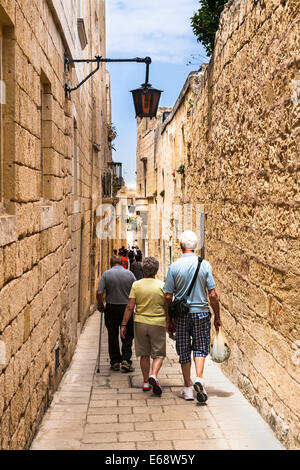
115 366
187 393
146 387
201 392
126 367
154 382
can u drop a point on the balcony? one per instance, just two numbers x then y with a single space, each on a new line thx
112 181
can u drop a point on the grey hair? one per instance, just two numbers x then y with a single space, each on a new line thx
188 240
150 266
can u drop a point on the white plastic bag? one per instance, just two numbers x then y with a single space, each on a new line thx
220 350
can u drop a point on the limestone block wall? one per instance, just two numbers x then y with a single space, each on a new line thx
245 151
50 180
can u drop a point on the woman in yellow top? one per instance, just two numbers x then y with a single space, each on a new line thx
148 298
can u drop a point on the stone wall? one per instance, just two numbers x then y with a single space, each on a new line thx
241 149
244 146
50 169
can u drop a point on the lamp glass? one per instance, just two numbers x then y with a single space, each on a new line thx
146 101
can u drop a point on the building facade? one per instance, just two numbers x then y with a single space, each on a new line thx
238 191
54 149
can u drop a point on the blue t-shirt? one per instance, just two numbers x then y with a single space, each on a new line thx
179 277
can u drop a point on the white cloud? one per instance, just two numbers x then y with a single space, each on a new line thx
160 28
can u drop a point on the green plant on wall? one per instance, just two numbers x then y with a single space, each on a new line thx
155 194
116 186
181 170
205 22
111 134
162 193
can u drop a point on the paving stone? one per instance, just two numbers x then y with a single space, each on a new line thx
102 403
155 445
73 400
111 396
186 407
213 433
254 443
133 402
163 425
116 410
68 427
109 427
109 446
66 388
160 401
102 419
147 409
135 436
200 423
72 408
99 438
201 444
64 417
55 435
58 444
134 418
131 390
184 434
173 415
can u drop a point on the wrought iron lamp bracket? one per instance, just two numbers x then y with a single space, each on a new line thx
98 59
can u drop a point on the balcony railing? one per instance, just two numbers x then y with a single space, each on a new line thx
112 180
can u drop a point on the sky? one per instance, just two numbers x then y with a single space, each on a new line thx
139 28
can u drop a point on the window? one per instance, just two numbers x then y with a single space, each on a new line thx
145 179
46 138
81 26
75 163
7 118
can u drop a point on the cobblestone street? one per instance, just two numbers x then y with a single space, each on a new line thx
109 411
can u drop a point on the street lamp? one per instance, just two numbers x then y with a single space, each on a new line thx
145 98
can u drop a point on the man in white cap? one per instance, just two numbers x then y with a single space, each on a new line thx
193 328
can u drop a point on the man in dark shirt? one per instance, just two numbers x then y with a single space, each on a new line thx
136 267
117 282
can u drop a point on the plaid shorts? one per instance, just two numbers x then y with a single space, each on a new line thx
192 334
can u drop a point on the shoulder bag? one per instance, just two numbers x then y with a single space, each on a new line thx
180 307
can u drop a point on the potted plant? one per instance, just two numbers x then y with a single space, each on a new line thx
162 193
111 134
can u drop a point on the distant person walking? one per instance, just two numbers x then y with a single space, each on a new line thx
193 328
137 268
116 283
131 258
123 255
148 298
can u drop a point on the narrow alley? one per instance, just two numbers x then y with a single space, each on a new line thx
109 411
164 205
